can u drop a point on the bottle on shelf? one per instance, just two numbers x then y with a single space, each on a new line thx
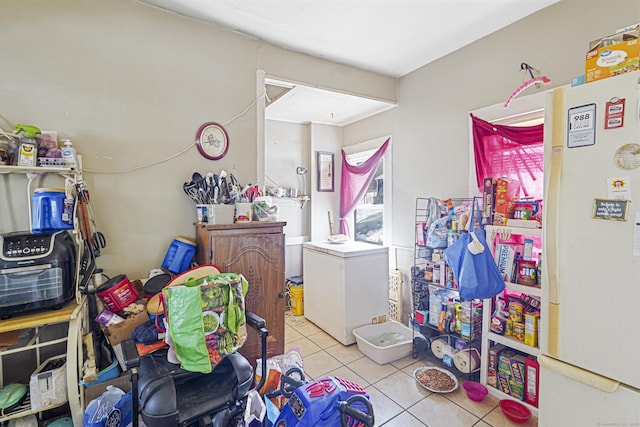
27 145
69 154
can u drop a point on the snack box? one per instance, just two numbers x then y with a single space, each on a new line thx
532 380
612 55
509 386
531 329
512 365
507 191
492 371
489 198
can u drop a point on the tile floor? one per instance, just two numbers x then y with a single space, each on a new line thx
398 400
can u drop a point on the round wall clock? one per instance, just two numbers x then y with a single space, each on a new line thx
212 140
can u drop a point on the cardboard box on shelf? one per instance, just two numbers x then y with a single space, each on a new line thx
533 372
507 191
492 374
121 331
511 374
92 392
531 329
613 55
489 198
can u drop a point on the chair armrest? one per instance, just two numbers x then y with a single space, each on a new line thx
255 321
130 353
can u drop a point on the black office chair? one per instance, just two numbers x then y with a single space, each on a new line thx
166 395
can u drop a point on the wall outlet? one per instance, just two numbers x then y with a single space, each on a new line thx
374 320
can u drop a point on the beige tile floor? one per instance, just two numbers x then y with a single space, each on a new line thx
398 400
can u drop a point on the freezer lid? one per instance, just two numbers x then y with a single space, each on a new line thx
347 249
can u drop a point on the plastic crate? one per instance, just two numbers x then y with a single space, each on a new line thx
382 354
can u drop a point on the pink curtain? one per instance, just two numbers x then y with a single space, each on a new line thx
355 181
509 151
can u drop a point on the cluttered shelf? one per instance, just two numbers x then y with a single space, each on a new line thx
446 326
72 313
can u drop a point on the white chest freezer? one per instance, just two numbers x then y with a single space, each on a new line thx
345 286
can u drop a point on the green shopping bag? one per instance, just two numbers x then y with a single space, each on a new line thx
206 318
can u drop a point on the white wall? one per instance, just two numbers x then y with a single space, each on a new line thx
329 139
430 125
130 85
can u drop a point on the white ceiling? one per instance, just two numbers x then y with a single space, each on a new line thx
389 37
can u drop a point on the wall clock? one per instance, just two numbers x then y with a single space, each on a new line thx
212 140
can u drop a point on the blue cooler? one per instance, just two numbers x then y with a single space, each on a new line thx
179 255
47 208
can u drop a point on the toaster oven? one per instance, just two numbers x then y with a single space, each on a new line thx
36 270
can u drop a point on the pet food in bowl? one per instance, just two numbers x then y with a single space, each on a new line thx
475 391
515 411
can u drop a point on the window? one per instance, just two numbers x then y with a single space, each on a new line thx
368 217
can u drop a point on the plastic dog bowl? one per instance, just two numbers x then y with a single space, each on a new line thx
475 391
515 411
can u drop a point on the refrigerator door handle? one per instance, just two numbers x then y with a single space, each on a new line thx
599 382
550 227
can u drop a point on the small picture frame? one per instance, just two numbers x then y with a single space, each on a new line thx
325 171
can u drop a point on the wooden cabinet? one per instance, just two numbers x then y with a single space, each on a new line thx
255 250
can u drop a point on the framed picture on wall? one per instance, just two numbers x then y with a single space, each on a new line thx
325 171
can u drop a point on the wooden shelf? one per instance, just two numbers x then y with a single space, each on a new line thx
529 290
513 343
39 318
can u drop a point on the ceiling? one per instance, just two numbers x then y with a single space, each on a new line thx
388 37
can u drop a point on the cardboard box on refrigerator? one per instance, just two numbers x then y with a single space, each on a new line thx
612 55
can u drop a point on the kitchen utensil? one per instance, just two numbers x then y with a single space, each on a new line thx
191 190
224 188
234 188
250 192
195 177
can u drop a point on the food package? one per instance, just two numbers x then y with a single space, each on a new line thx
276 367
507 191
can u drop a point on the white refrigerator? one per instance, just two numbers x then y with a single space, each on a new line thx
590 324
346 285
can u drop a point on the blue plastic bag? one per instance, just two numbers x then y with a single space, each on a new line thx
112 408
473 265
